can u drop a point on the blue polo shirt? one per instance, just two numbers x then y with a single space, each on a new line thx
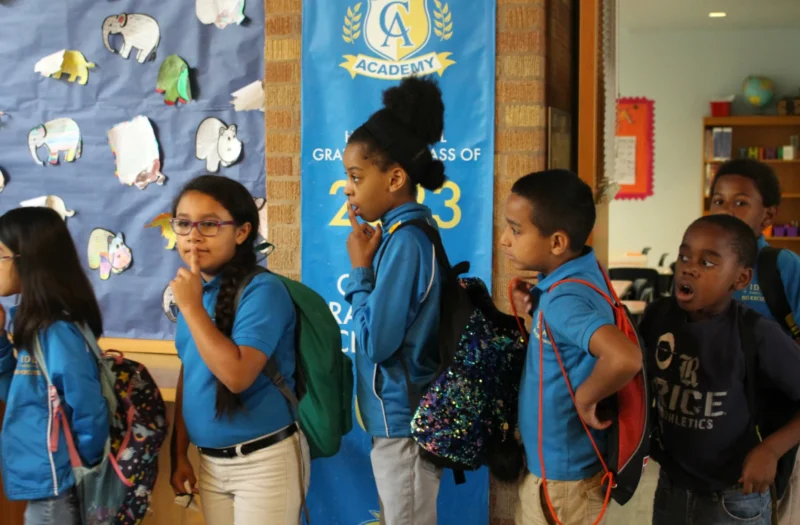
265 320
574 312
789 268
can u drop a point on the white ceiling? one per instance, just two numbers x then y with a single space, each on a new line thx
641 15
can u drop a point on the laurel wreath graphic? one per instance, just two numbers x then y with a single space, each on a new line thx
351 29
444 21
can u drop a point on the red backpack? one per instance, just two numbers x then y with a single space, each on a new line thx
629 434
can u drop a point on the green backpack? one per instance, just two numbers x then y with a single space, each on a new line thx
323 397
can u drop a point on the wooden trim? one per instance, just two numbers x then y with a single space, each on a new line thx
590 114
139 346
753 120
588 88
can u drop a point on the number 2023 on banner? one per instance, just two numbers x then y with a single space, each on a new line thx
451 204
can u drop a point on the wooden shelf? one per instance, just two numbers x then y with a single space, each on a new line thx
765 161
752 120
778 239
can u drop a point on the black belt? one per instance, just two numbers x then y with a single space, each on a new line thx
249 448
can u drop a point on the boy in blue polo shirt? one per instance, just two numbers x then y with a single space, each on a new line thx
550 216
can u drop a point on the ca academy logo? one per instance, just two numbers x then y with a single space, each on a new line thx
397 31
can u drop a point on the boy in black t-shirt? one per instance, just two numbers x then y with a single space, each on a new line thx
714 471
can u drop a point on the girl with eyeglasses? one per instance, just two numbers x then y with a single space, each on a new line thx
39 264
254 461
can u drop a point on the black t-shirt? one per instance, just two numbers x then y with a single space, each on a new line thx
697 372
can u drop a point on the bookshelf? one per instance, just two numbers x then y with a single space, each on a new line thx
763 132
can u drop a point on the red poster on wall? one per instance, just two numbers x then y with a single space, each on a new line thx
633 167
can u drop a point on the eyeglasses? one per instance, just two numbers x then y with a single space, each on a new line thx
8 257
206 227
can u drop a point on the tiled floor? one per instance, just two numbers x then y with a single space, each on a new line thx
639 510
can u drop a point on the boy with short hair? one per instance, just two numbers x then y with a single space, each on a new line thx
550 216
750 190
714 470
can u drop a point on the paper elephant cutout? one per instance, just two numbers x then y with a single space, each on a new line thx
108 253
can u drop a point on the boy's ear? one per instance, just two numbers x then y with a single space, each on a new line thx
769 217
559 243
743 279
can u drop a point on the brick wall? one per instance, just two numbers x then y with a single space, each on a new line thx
282 94
523 41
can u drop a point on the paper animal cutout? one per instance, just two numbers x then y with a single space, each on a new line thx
261 204
173 80
2 181
264 247
220 12
53 202
138 30
168 304
136 151
71 62
108 253
162 221
59 135
217 144
249 98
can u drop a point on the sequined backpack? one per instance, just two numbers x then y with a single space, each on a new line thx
467 417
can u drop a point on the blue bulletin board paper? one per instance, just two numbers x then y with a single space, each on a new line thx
221 62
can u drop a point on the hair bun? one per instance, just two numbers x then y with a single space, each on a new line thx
434 177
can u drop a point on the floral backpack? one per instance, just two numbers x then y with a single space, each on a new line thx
117 491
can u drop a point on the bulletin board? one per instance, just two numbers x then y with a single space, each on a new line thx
634 148
221 60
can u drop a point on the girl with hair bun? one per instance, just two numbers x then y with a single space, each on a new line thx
394 289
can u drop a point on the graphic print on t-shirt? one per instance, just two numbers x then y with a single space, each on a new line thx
680 398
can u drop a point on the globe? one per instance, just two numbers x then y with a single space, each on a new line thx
758 91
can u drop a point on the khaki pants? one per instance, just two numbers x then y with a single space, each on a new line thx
574 502
408 486
789 505
265 487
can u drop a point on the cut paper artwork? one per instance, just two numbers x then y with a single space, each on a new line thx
162 221
49 201
136 151
173 81
261 204
69 62
249 98
108 253
59 135
2 181
168 304
221 13
138 31
217 144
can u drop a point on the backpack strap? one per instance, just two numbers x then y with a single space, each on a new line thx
57 416
747 323
271 368
769 279
544 329
747 331
447 325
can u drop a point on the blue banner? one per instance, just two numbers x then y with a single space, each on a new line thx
352 51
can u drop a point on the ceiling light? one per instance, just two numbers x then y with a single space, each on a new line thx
717 14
